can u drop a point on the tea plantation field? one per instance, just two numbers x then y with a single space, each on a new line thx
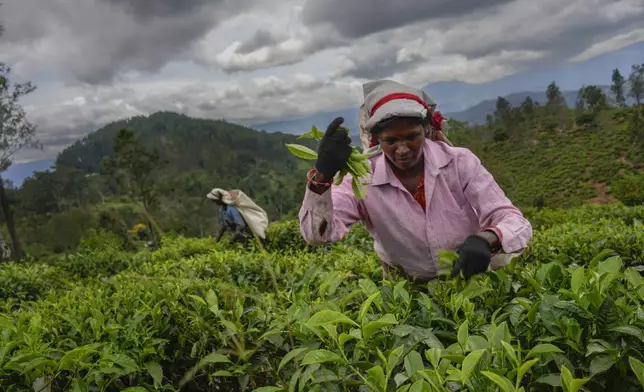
194 316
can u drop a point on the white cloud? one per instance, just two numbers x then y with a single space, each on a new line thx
456 67
611 44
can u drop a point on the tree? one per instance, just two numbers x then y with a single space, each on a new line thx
629 189
636 81
591 98
636 125
16 132
133 165
500 135
555 98
503 112
527 108
617 88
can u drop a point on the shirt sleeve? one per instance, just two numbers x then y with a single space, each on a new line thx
328 217
495 211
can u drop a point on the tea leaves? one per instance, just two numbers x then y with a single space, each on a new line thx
200 316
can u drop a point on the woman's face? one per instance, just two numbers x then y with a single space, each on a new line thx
403 144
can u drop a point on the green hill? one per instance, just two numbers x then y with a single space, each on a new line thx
196 155
545 163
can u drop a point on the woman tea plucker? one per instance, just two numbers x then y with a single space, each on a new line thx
423 196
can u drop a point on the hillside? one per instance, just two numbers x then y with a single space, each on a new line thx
477 113
559 166
196 155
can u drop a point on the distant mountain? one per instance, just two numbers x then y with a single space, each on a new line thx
478 113
303 124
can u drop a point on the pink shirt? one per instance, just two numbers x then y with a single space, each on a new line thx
462 199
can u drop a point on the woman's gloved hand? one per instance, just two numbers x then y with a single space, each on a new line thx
334 150
475 255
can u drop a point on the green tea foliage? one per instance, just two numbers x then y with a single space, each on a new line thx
565 316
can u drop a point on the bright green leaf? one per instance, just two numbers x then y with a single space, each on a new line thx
156 372
502 334
634 278
375 326
469 363
577 280
413 363
601 363
394 358
377 376
525 367
509 350
268 389
400 378
420 386
543 349
329 317
366 305
345 337
213 301
294 379
638 369
611 265
433 355
75 355
290 356
553 379
198 299
78 385
596 348
302 152
463 336
630 330
502 382
571 384
320 356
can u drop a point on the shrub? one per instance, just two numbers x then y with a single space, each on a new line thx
629 189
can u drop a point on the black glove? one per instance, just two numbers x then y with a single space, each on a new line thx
475 255
334 150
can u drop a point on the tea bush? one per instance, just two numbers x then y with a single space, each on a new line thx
565 316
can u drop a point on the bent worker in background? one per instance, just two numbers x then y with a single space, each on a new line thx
239 215
424 195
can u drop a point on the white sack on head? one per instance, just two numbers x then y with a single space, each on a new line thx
255 217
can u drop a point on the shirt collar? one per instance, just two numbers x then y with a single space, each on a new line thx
435 156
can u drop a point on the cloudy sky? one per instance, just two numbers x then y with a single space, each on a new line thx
252 61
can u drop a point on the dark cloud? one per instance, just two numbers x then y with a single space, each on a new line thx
563 37
357 18
153 8
275 54
262 38
96 41
379 62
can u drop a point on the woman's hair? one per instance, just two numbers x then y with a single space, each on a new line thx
409 121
